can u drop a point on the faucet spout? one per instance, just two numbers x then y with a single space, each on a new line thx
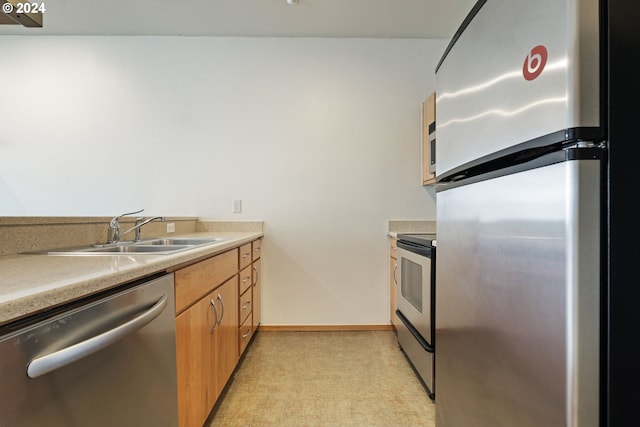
114 227
140 223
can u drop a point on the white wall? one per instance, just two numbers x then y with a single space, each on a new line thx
320 138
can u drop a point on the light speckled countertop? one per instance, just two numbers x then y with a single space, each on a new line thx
33 283
396 226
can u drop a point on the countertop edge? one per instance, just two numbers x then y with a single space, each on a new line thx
18 301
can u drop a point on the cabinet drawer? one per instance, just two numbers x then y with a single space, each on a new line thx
257 248
195 281
245 334
246 305
245 255
245 280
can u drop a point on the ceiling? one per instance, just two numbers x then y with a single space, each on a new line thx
260 18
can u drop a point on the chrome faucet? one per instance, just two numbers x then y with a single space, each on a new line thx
139 223
114 227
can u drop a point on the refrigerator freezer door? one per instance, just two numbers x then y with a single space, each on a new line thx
519 71
517 299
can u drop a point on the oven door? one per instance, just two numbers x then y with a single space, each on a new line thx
415 293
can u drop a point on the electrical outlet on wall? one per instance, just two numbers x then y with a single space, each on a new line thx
171 227
237 206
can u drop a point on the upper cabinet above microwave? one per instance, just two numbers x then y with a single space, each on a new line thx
429 140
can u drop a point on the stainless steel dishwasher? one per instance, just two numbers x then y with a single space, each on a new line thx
108 361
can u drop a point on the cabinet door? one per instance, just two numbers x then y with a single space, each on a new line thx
226 335
257 293
393 289
193 351
257 248
393 282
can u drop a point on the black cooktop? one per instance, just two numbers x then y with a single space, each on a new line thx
428 240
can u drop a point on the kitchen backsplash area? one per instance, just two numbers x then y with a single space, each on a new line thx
26 234
210 225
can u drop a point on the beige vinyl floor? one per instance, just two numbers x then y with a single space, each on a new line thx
324 379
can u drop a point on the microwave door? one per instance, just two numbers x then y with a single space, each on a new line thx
432 148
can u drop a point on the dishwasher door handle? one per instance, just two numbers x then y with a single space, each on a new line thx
45 364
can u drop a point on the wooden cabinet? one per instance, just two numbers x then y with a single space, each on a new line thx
246 279
225 337
216 316
257 283
197 280
245 255
206 333
428 138
245 332
193 348
250 293
246 301
393 281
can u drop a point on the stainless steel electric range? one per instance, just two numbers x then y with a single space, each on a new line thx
416 304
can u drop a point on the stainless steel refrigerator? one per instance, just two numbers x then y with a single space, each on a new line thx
536 305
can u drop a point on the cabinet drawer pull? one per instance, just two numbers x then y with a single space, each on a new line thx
255 270
245 280
244 336
395 269
246 305
247 255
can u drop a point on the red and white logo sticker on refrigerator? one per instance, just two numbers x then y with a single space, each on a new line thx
534 63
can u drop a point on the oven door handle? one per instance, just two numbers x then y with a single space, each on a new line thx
416 249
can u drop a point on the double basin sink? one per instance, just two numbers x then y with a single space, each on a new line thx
159 246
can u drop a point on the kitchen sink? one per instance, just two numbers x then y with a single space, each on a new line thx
158 246
137 249
186 241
